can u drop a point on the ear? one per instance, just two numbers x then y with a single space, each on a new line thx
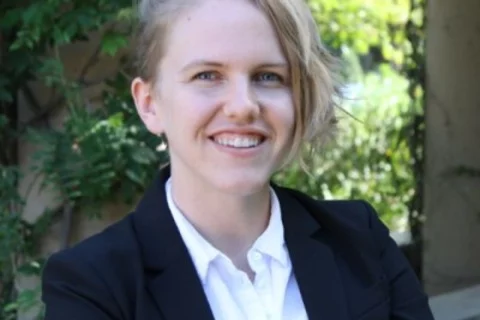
143 96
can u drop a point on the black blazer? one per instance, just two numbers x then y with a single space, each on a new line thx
345 263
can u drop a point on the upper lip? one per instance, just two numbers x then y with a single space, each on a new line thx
241 131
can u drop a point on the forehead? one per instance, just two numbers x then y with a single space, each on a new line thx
233 30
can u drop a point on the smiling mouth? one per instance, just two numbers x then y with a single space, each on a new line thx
238 141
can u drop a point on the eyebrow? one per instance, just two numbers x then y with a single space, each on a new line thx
201 62
210 63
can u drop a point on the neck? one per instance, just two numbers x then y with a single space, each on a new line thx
231 223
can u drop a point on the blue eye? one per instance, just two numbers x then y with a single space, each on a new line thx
269 77
206 76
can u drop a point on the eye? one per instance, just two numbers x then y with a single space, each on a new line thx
207 76
269 77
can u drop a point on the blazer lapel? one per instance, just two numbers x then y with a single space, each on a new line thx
171 276
179 294
313 261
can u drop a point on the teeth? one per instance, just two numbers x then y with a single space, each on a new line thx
238 141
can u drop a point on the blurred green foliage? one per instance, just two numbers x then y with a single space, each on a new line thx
363 24
369 159
103 153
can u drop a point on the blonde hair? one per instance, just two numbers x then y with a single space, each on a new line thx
313 69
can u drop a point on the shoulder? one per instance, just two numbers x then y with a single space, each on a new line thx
348 223
351 214
108 255
91 277
114 243
355 231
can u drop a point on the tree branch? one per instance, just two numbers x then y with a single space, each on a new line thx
34 104
66 224
43 115
90 63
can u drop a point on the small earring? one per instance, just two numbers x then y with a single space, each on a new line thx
163 146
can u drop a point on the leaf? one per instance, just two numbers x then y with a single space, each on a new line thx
144 155
32 268
112 42
3 121
11 307
126 14
11 18
28 299
116 120
134 177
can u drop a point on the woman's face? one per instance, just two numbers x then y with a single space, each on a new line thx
222 98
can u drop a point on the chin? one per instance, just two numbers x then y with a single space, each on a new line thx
241 185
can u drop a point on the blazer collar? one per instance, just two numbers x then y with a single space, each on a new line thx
171 276
314 264
173 281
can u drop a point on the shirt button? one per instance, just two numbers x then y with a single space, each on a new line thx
256 256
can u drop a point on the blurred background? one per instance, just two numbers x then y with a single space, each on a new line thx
74 156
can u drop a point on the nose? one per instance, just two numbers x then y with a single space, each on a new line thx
241 106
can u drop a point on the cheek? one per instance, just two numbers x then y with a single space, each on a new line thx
189 110
281 110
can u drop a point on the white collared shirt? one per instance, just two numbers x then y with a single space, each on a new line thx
273 295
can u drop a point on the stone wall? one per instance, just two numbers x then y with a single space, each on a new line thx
452 193
37 200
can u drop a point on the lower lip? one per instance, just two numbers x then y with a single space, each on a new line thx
238 152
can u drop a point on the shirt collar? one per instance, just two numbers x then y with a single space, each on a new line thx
201 251
271 242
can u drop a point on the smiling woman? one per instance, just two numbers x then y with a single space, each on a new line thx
238 88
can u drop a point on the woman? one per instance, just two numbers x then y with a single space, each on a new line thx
237 87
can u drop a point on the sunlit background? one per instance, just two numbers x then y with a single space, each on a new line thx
75 157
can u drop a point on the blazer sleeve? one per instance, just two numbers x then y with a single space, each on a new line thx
407 298
72 289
